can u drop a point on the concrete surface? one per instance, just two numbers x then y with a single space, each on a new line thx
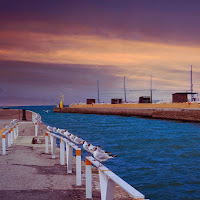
26 172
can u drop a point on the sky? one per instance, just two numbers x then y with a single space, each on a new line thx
48 47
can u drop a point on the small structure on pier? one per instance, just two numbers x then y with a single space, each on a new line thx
61 101
116 101
181 97
144 99
91 101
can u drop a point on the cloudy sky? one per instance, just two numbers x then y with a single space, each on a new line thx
48 47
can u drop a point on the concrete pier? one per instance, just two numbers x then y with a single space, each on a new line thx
183 114
26 172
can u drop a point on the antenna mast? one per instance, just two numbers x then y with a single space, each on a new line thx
125 89
98 91
192 97
151 89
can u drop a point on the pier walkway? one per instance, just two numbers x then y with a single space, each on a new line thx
26 172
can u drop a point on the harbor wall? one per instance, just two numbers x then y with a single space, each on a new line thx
137 105
192 115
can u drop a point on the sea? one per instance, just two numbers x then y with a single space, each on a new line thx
159 158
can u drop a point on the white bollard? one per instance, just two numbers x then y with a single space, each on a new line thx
46 143
62 152
69 155
53 146
107 186
3 144
17 130
9 139
88 174
12 135
78 167
36 129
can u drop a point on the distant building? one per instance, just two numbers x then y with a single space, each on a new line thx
91 101
180 97
116 101
144 99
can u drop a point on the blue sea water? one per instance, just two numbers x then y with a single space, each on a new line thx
159 158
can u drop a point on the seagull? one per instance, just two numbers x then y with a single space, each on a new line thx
72 137
50 128
102 157
91 148
66 133
47 111
99 149
78 140
8 128
61 131
85 146
54 129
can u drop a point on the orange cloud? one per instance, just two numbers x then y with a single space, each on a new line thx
136 59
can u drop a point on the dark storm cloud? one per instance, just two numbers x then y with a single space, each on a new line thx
162 21
41 74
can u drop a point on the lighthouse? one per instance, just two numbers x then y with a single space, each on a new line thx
61 101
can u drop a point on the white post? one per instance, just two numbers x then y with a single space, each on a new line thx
12 135
3 144
88 174
107 186
103 184
110 189
62 152
69 155
36 129
53 146
46 143
17 130
9 139
78 167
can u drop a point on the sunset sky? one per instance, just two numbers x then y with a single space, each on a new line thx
48 47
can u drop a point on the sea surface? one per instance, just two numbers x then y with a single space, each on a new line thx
159 158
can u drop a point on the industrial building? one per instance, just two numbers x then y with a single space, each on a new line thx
144 99
181 97
116 101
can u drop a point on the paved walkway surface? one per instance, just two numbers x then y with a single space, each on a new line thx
27 173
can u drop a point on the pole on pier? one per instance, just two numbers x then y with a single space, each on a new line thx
53 146
107 186
62 152
46 143
36 129
151 90
12 134
17 130
98 91
78 167
69 154
192 97
125 89
9 139
3 144
88 174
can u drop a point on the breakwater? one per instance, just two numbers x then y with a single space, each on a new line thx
183 114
